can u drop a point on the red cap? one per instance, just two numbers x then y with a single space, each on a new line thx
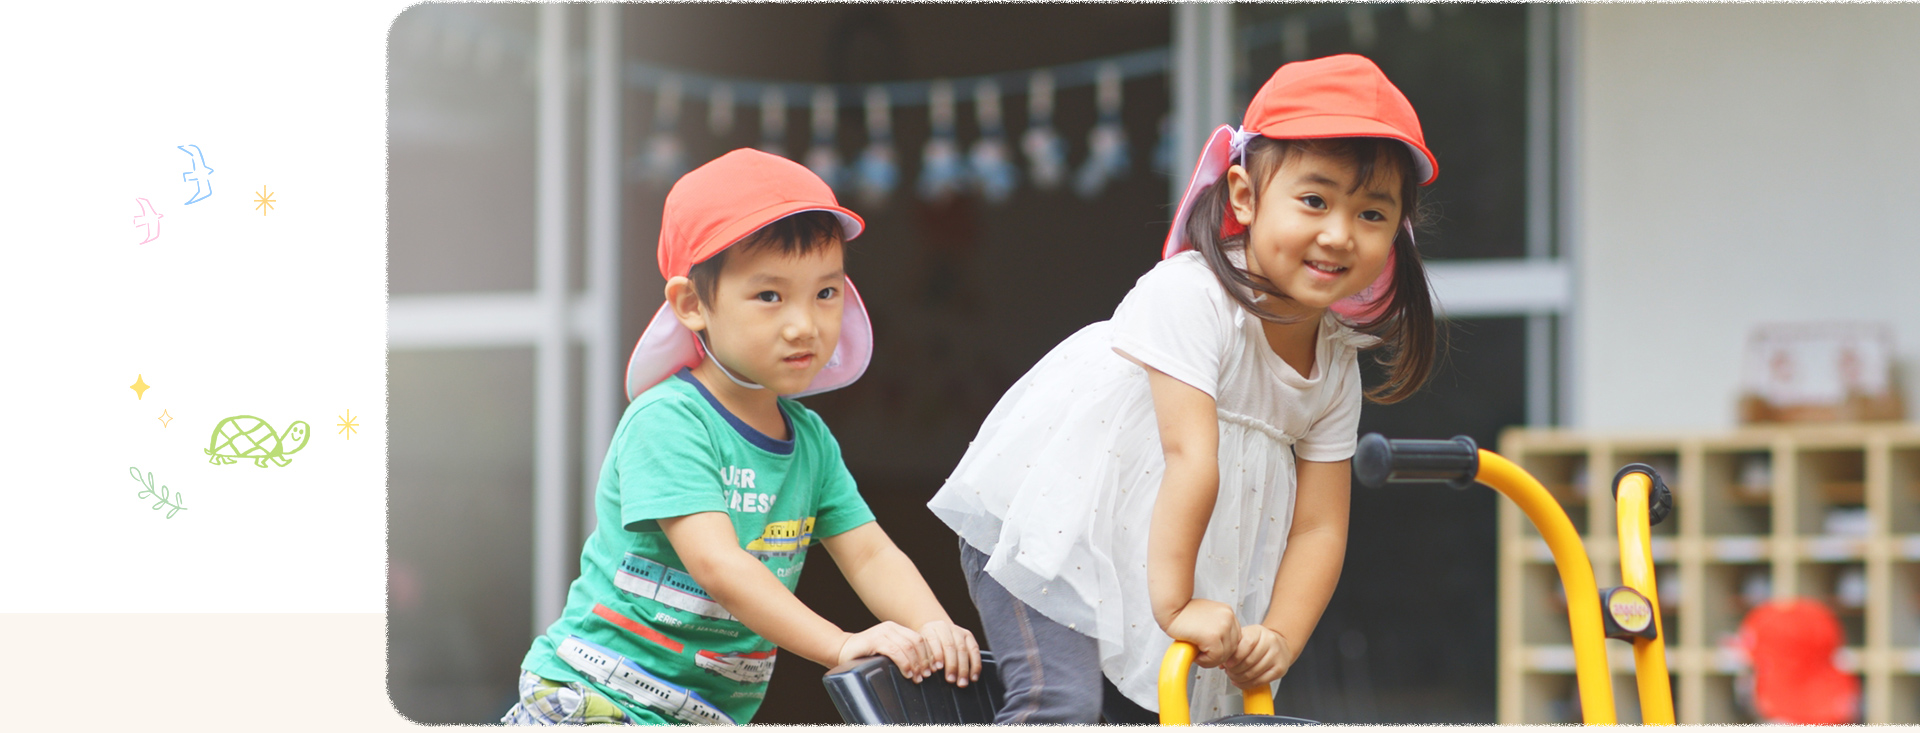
1336 96
711 208
1791 644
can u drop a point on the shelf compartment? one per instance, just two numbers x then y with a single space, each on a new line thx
1830 491
1565 477
1904 608
1738 496
1551 698
1731 591
1545 615
1843 588
1903 517
1722 705
1906 700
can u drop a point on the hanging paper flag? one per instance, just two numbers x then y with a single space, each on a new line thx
773 120
720 110
1046 152
1360 25
877 173
1293 39
942 173
992 166
666 158
822 159
1107 143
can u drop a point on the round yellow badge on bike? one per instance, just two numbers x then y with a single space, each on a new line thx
1627 613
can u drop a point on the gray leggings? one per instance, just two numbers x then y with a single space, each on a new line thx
1051 673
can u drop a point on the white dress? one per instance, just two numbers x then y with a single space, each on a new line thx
1058 487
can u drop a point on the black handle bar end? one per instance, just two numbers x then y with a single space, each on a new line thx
1379 461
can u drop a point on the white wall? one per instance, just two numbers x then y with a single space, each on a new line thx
1737 165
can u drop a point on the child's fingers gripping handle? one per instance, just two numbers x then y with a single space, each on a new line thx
1173 688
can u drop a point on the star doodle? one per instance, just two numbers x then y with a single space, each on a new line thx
265 199
139 387
164 418
347 424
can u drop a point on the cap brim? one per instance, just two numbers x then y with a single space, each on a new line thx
1217 155
666 346
851 225
1325 126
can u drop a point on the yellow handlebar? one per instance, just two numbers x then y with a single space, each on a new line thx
1576 575
1636 571
1173 688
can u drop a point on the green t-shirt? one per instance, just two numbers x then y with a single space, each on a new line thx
636 625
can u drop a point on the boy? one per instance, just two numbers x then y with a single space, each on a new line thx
716 482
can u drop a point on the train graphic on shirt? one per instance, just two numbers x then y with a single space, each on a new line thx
675 588
621 675
783 539
751 668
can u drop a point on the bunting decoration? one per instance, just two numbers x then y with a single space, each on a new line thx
941 171
773 120
1107 143
720 110
665 158
877 173
986 165
993 171
822 158
1046 153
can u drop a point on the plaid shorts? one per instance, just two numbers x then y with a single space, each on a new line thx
547 702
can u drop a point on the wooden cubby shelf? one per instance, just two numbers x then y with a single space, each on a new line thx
1829 512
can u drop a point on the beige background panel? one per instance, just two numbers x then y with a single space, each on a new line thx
286 672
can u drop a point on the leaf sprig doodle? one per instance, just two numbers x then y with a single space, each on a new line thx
161 496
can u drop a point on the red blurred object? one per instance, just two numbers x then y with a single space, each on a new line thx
1792 643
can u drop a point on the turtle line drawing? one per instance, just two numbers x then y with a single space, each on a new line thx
246 436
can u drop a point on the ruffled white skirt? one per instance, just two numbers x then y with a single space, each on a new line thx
1058 488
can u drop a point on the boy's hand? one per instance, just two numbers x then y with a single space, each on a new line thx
1262 657
907 649
954 650
1210 627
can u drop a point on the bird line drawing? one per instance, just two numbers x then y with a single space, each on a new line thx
201 174
152 218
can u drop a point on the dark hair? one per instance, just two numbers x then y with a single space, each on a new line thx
796 234
1405 325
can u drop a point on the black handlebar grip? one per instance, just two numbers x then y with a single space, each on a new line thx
1379 461
1659 498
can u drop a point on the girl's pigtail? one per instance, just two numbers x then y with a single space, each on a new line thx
1406 327
1203 234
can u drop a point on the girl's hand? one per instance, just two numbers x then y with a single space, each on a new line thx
908 650
1210 627
954 650
1262 657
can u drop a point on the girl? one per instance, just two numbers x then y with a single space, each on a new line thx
1180 472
